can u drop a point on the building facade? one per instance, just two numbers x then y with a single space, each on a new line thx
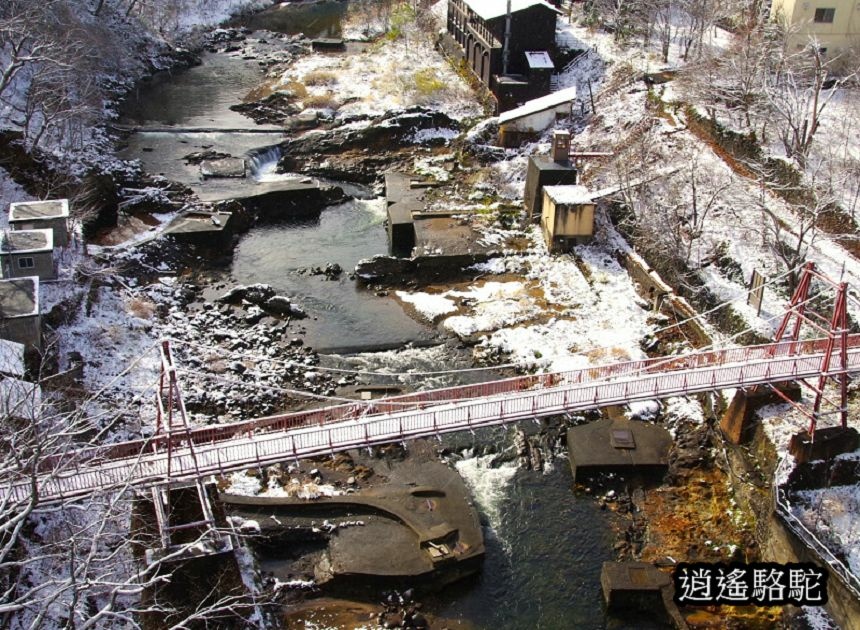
833 24
478 28
27 253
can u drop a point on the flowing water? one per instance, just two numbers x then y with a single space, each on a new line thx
545 544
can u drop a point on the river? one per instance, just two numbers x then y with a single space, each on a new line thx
545 543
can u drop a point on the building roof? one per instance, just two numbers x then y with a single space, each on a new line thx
568 195
19 297
537 105
26 241
36 210
20 399
539 59
489 9
12 357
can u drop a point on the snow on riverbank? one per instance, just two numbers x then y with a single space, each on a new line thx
393 73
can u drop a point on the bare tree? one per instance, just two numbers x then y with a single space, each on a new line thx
798 89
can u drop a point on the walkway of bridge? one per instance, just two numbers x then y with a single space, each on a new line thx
185 454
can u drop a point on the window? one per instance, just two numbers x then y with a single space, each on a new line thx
824 16
25 263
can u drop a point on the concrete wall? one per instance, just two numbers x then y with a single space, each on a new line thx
26 330
563 225
842 33
43 265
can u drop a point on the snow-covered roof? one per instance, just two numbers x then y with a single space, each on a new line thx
38 210
539 59
27 241
489 9
568 195
19 297
11 357
539 104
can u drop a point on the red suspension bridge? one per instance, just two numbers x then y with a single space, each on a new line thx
181 453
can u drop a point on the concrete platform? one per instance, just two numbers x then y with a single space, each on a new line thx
639 587
202 228
225 167
620 446
417 522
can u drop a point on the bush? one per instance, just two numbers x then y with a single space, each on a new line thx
427 83
319 77
321 101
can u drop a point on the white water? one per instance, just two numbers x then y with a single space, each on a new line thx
489 487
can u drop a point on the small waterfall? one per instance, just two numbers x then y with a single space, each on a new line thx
489 487
263 162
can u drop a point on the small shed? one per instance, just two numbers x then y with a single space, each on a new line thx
19 311
532 118
553 170
33 215
540 69
567 217
27 253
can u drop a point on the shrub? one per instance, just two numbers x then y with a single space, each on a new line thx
321 101
319 77
427 83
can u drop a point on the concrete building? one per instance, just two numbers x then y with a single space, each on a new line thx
567 218
35 215
27 253
834 24
19 312
548 170
478 27
535 116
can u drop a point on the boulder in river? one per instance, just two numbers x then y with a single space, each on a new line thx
254 293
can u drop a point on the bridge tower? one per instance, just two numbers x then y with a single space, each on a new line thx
172 422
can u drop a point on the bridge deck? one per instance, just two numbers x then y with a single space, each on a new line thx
272 440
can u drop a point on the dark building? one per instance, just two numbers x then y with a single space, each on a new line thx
478 28
548 170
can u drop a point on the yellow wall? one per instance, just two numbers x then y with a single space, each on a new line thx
575 221
841 34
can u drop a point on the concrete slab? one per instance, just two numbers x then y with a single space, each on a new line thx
618 445
223 168
446 236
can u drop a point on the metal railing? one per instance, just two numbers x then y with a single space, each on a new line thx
432 413
782 508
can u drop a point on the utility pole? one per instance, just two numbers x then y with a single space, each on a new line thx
506 52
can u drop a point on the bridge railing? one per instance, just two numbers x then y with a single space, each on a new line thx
418 400
268 448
